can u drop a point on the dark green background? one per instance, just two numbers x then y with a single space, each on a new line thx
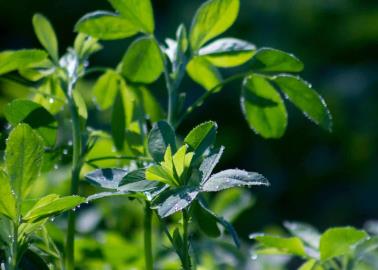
317 177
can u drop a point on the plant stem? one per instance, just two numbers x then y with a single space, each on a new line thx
187 262
148 237
14 257
117 157
75 175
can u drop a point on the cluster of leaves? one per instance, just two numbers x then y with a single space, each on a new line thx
144 61
337 248
22 216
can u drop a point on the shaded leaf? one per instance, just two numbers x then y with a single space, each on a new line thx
306 99
46 35
106 178
174 200
118 123
206 222
212 19
106 26
228 52
263 107
143 61
272 60
233 178
307 233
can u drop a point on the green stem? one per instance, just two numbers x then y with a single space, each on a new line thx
75 175
171 95
14 254
148 237
187 262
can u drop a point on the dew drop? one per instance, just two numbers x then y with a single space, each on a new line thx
56 166
65 151
51 100
69 143
254 257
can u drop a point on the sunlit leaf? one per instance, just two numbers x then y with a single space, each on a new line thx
105 89
212 19
7 199
228 52
204 73
139 12
143 61
339 241
46 35
208 164
23 158
52 205
263 107
233 178
269 244
13 60
201 137
106 26
272 60
306 232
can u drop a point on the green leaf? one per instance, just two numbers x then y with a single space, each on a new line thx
13 60
208 164
105 89
46 35
23 158
365 247
7 199
263 107
310 265
339 241
51 86
151 105
227 226
160 137
228 52
85 45
52 205
272 60
204 73
269 244
300 93
212 19
201 137
118 123
106 178
206 222
307 233
106 26
81 107
139 12
174 200
233 178
36 116
134 181
143 61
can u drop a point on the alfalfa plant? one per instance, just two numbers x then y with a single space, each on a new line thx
181 169
176 171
